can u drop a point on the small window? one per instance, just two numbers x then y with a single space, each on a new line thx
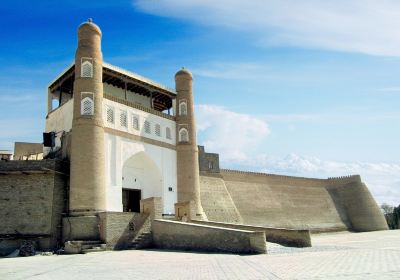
168 133
110 115
210 165
182 108
87 68
135 122
147 127
183 135
158 130
170 189
87 106
123 119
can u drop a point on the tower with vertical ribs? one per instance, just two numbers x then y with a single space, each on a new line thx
188 180
87 181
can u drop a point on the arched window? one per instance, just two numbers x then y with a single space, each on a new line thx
123 119
158 129
87 69
183 135
135 122
87 106
147 127
110 115
168 133
182 108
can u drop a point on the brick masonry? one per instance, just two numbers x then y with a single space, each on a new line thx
32 200
187 236
118 230
208 162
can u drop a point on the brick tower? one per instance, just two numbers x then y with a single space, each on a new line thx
187 152
87 182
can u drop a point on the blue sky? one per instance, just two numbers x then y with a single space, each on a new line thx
300 89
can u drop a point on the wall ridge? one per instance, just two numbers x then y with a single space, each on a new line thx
345 179
269 174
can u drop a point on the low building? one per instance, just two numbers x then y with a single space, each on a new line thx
28 151
6 155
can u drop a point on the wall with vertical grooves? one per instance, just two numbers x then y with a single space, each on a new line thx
342 203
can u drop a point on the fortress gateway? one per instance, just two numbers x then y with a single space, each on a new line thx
132 159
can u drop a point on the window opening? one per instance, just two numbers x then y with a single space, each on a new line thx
110 115
158 130
183 135
147 127
123 119
183 108
87 69
87 106
135 122
168 133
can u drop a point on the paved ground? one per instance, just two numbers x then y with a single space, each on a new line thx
374 255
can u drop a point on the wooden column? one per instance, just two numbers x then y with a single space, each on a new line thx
125 88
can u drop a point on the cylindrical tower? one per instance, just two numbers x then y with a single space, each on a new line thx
187 152
87 181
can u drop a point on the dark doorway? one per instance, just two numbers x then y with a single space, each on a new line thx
131 200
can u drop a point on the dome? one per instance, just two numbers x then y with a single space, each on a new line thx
184 72
89 25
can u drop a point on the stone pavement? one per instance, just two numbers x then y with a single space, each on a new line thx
373 255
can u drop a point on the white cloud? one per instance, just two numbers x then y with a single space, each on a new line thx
365 26
239 138
383 179
236 136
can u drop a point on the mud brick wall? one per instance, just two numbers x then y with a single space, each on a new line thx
32 200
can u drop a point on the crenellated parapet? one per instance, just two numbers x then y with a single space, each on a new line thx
246 176
345 179
266 174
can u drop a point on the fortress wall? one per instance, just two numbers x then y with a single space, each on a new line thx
352 195
187 236
216 201
282 201
32 200
283 236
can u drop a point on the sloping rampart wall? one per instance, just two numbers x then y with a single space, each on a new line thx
269 200
355 200
282 201
216 201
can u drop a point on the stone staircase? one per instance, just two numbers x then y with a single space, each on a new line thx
142 240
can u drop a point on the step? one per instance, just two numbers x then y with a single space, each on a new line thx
92 250
86 242
101 248
91 246
141 238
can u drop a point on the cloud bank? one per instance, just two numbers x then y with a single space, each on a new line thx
234 135
364 26
239 139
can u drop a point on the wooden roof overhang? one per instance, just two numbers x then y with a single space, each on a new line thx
65 81
161 96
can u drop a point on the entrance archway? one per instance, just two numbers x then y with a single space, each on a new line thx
140 174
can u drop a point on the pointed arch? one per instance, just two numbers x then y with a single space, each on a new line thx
87 69
141 172
183 135
87 106
183 108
